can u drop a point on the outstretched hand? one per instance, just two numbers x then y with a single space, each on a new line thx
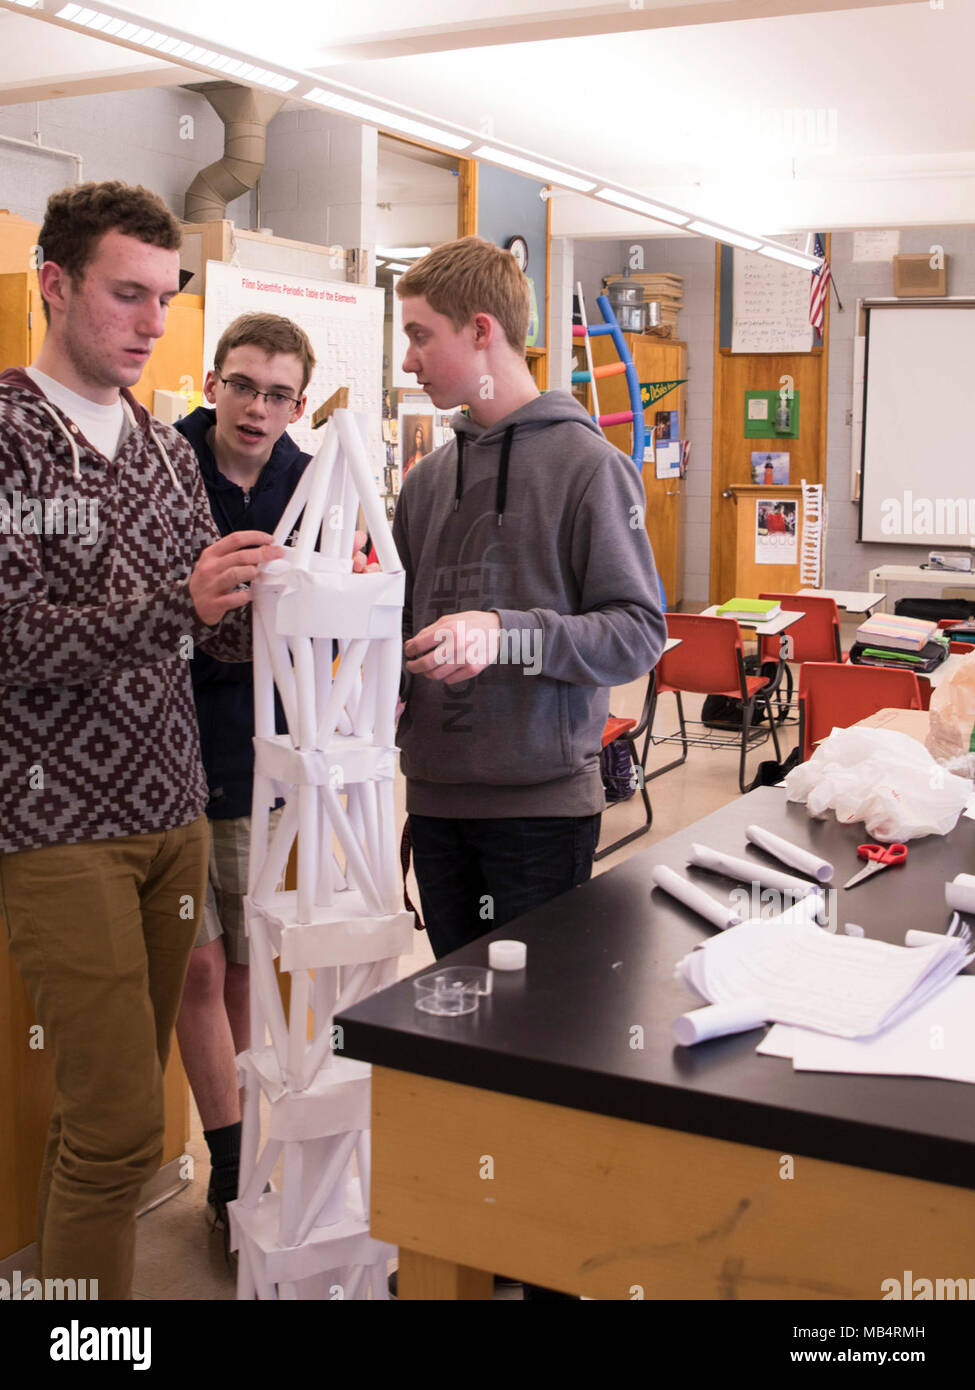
223 566
452 648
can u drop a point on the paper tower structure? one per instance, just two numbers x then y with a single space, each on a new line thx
329 642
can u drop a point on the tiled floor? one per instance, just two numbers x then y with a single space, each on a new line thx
178 1257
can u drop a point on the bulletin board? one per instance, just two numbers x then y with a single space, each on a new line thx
344 323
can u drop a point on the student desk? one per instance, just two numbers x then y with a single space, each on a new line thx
546 1137
770 628
851 600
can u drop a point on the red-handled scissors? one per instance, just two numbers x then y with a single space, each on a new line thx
881 857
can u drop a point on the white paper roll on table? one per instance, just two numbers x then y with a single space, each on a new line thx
788 853
720 914
923 938
960 893
720 1020
750 871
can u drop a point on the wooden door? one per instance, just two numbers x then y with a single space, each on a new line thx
14 331
734 374
655 359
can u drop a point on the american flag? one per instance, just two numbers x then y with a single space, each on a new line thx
819 288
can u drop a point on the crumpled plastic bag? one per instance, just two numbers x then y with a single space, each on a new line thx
953 718
884 778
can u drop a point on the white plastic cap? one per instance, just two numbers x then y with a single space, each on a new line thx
507 955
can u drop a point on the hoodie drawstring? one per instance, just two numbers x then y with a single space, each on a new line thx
75 465
501 492
75 461
459 487
156 440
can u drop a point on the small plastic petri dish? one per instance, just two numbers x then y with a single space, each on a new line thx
453 991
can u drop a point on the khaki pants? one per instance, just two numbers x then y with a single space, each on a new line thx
101 932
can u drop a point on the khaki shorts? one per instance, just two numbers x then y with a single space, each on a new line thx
223 911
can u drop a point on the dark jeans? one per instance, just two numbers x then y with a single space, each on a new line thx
476 875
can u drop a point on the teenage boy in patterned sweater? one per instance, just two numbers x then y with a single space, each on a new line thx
103 836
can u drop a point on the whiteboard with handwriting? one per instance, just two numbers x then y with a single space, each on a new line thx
771 303
344 322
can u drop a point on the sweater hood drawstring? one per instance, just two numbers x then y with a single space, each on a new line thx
155 439
75 457
75 464
501 491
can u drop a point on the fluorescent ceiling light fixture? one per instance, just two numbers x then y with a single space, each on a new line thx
389 120
788 256
397 266
398 252
548 172
747 243
188 50
126 28
656 210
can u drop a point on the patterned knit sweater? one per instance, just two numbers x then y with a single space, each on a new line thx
98 731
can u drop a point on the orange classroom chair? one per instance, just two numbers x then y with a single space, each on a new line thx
815 637
834 695
711 661
628 731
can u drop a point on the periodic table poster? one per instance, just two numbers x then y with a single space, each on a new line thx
344 323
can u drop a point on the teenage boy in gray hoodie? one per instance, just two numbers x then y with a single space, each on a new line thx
530 591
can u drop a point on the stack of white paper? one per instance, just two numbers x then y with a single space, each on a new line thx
848 986
937 1039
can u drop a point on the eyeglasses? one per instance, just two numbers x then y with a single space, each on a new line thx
242 392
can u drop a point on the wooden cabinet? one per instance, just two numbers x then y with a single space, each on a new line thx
177 357
22 325
655 359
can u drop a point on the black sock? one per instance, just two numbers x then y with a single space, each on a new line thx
224 1146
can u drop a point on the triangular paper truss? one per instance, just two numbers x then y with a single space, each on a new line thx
338 935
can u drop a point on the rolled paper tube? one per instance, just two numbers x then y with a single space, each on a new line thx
619 417
749 871
788 853
960 893
924 938
719 914
719 1020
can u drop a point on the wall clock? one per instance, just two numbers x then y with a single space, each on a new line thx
518 247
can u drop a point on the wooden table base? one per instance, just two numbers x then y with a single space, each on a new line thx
467 1181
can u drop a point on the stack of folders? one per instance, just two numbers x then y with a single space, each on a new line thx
750 610
892 640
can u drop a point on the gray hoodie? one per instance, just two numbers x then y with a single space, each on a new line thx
552 539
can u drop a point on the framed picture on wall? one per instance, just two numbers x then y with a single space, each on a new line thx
416 433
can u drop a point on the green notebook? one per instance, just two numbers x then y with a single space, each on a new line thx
758 606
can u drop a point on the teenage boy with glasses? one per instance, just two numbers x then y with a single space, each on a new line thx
250 467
